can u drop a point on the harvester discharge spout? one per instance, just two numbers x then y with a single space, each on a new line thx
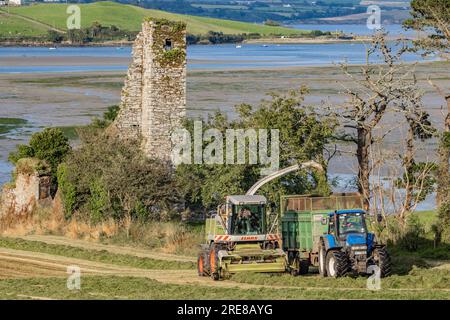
282 172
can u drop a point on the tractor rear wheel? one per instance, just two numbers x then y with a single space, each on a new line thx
322 262
383 261
337 263
214 262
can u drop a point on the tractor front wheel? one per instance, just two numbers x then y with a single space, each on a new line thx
322 262
337 263
383 261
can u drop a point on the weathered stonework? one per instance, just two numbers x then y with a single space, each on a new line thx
153 101
31 187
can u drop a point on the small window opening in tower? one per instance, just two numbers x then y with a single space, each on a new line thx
168 45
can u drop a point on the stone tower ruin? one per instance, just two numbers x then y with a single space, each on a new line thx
153 100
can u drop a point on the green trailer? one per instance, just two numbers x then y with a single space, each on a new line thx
304 220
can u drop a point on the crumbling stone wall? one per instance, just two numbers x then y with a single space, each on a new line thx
153 100
32 185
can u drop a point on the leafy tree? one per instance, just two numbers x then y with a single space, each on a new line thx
50 145
432 16
303 136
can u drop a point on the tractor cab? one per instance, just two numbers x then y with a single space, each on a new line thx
348 226
347 232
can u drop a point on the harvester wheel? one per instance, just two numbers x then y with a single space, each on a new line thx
304 266
383 261
202 264
295 266
322 262
337 263
214 262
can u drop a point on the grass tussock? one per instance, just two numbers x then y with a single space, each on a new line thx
168 237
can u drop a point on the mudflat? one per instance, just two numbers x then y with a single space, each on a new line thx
69 100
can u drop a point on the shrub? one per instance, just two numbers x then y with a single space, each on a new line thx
110 178
67 189
29 166
98 201
272 23
108 117
54 36
412 233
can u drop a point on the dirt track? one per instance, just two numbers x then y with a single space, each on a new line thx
25 264
138 252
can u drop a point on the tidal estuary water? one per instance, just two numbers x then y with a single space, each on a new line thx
38 62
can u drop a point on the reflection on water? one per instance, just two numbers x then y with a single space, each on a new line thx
346 183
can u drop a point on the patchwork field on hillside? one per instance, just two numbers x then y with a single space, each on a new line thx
37 19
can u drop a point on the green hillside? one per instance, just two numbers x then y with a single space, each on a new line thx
35 19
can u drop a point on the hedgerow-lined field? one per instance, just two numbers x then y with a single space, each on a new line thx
126 17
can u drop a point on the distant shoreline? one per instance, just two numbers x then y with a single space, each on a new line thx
272 40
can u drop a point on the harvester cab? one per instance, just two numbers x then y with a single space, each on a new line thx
237 240
349 247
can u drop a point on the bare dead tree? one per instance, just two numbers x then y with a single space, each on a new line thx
394 195
433 17
378 86
410 105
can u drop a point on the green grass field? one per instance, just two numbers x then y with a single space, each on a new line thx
102 287
414 277
126 17
11 26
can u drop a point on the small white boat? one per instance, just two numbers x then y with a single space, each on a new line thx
52 48
238 46
265 45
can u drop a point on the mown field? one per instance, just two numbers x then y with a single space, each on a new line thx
101 287
126 17
35 270
34 267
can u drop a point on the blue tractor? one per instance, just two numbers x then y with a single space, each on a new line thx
348 247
